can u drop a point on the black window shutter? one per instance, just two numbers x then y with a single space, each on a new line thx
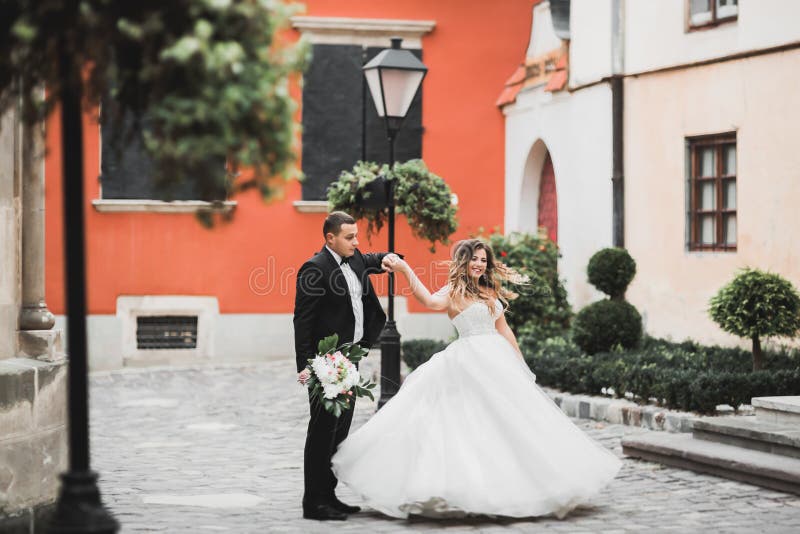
340 124
408 144
126 171
332 120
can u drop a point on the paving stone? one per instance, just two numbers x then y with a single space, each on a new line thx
180 434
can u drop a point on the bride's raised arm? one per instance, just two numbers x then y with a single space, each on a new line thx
436 301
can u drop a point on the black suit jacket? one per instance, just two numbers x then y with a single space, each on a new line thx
322 304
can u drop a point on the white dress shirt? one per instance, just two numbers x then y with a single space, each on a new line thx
355 289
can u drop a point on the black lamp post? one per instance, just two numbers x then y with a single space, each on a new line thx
79 508
394 77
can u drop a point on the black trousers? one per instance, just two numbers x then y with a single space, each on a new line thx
325 433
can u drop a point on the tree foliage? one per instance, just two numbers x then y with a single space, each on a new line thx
205 80
755 305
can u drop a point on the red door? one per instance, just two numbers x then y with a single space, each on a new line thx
548 202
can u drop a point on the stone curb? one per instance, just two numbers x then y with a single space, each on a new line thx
622 412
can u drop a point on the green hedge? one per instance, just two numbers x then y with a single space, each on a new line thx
415 352
687 376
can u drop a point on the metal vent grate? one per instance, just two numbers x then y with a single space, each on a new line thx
166 332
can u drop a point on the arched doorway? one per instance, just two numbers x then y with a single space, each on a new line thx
538 208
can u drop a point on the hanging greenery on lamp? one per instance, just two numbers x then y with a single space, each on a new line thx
423 197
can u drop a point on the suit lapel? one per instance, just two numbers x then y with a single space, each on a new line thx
337 281
331 261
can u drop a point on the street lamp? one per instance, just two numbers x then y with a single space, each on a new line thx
79 508
394 77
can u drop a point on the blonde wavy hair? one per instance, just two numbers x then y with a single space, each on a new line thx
489 285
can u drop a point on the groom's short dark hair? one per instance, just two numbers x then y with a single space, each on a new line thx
334 221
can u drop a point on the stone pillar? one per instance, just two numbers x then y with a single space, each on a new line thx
36 337
9 235
35 315
33 401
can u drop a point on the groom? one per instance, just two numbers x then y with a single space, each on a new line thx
334 296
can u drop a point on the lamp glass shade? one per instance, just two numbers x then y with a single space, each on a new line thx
393 89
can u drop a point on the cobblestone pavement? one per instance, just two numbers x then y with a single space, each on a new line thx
220 449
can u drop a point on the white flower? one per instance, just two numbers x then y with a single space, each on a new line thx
331 391
351 378
323 370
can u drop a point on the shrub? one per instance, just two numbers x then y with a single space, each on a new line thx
756 304
673 388
690 354
418 351
541 311
611 270
605 324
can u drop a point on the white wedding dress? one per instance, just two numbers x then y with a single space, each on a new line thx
470 432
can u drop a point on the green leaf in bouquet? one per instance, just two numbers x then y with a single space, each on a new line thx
356 353
363 390
337 409
328 344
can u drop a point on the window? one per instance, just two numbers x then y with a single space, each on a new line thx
712 192
704 13
340 124
126 171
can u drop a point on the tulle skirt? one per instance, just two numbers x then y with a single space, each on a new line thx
470 432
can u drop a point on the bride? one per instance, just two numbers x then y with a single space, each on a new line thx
470 431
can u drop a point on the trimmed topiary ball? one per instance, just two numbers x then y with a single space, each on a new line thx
611 270
602 325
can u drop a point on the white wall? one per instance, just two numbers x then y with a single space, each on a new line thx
543 37
576 128
657 36
591 42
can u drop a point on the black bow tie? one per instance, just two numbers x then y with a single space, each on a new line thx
345 260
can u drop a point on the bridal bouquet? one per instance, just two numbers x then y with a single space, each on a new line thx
334 379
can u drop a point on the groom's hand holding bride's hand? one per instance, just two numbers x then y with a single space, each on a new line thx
393 263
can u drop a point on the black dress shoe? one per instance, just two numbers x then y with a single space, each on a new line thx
345 508
323 512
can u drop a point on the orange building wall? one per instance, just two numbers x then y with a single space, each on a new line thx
469 54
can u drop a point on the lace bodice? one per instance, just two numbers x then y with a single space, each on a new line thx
476 319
